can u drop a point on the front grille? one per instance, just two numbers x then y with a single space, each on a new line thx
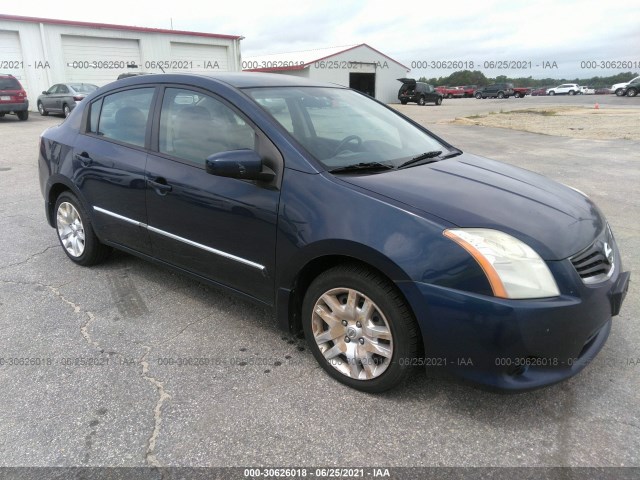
596 263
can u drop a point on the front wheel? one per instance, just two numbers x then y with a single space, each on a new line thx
500 95
632 92
552 93
359 328
421 101
478 96
66 110
439 101
403 102
571 92
620 92
41 110
75 232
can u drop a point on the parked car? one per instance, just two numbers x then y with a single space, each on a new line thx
63 97
521 92
587 90
469 90
13 98
131 74
450 92
565 89
386 245
418 92
620 88
497 90
603 91
538 92
632 89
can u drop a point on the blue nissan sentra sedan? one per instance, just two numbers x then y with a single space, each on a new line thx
389 247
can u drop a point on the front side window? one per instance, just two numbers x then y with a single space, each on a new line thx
124 115
63 89
340 127
194 126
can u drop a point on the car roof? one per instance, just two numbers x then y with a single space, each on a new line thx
234 79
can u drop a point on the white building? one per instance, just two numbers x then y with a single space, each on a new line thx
357 66
41 52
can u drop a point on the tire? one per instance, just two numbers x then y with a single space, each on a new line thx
24 115
403 102
449 95
42 110
421 101
367 349
620 92
632 92
66 111
439 101
571 92
552 93
75 232
500 95
478 96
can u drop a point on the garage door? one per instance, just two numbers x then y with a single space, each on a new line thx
198 58
98 60
11 56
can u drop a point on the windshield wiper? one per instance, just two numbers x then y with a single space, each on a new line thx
362 166
420 158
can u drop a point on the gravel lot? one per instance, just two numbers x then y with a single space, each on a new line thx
103 394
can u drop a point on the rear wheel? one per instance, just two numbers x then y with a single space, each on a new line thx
439 101
403 102
449 95
571 92
421 101
552 93
359 328
23 115
620 92
500 95
75 232
42 110
478 96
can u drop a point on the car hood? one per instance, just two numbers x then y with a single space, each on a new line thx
471 191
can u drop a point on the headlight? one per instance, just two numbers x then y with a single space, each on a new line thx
513 269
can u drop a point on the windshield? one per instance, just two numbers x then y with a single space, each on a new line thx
341 128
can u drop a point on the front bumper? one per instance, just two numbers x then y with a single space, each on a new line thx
516 345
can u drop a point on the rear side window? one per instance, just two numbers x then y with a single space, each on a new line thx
123 116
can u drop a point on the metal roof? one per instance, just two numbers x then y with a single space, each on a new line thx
52 21
302 59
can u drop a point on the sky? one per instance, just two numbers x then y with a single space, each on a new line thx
583 38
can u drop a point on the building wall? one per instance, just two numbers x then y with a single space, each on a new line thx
45 51
361 59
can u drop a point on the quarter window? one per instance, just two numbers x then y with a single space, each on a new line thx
124 115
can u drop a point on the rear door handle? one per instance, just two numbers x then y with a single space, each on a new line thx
160 186
84 158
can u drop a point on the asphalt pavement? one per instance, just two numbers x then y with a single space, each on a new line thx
128 364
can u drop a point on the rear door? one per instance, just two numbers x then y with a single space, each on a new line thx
109 165
223 229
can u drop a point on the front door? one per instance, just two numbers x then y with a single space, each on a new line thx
221 228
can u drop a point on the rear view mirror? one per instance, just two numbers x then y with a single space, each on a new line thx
242 164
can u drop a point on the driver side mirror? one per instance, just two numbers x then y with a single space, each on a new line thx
241 164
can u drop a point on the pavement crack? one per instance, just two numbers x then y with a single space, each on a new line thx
163 396
29 258
201 319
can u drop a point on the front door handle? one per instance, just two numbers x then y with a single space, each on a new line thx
160 186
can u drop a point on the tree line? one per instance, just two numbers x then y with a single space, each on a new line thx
476 77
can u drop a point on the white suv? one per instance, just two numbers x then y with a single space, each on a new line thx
619 88
565 88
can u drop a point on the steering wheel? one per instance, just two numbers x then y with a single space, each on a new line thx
345 141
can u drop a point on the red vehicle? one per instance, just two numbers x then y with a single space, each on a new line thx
450 92
538 92
520 92
13 98
469 90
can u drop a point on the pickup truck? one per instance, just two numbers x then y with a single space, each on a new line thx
469 90
450 92
520 92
